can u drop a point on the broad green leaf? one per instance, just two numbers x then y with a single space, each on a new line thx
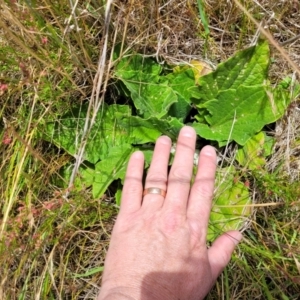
110 143
248 67
169 126
230 210
181 82
253 154
152 99
235 102
111 168
83 179
113 128
157 95
151 96
239 114
136 65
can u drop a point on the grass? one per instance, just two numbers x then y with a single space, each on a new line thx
55 55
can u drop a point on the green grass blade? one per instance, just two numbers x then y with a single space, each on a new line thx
203 16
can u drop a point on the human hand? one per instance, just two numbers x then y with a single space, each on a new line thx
158 246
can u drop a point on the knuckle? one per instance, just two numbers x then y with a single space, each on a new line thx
133 189
180 174
204 189
156 178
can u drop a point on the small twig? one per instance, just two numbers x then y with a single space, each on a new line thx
291 40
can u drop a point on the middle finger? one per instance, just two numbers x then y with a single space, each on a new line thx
181 172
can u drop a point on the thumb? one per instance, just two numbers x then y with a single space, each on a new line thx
220 252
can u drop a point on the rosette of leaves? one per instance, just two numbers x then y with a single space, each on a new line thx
234 103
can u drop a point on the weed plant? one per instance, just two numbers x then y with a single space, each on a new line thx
58 56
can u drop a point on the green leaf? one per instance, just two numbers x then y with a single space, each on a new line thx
111 168
84 178
113 128
110 143
230 210
230 117
234 101
169 126
248 67
136 66
151 96
181 82
253 154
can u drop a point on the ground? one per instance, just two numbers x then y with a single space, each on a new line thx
57 55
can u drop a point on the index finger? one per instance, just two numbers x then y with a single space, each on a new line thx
133 188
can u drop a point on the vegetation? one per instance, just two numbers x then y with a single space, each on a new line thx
83 85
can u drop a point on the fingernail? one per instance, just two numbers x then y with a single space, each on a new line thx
138 155
209 151
165 140
188 131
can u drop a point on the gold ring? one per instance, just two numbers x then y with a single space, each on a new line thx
154 190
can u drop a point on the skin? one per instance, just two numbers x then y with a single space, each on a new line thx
158 246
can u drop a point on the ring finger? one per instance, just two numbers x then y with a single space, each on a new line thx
157 175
